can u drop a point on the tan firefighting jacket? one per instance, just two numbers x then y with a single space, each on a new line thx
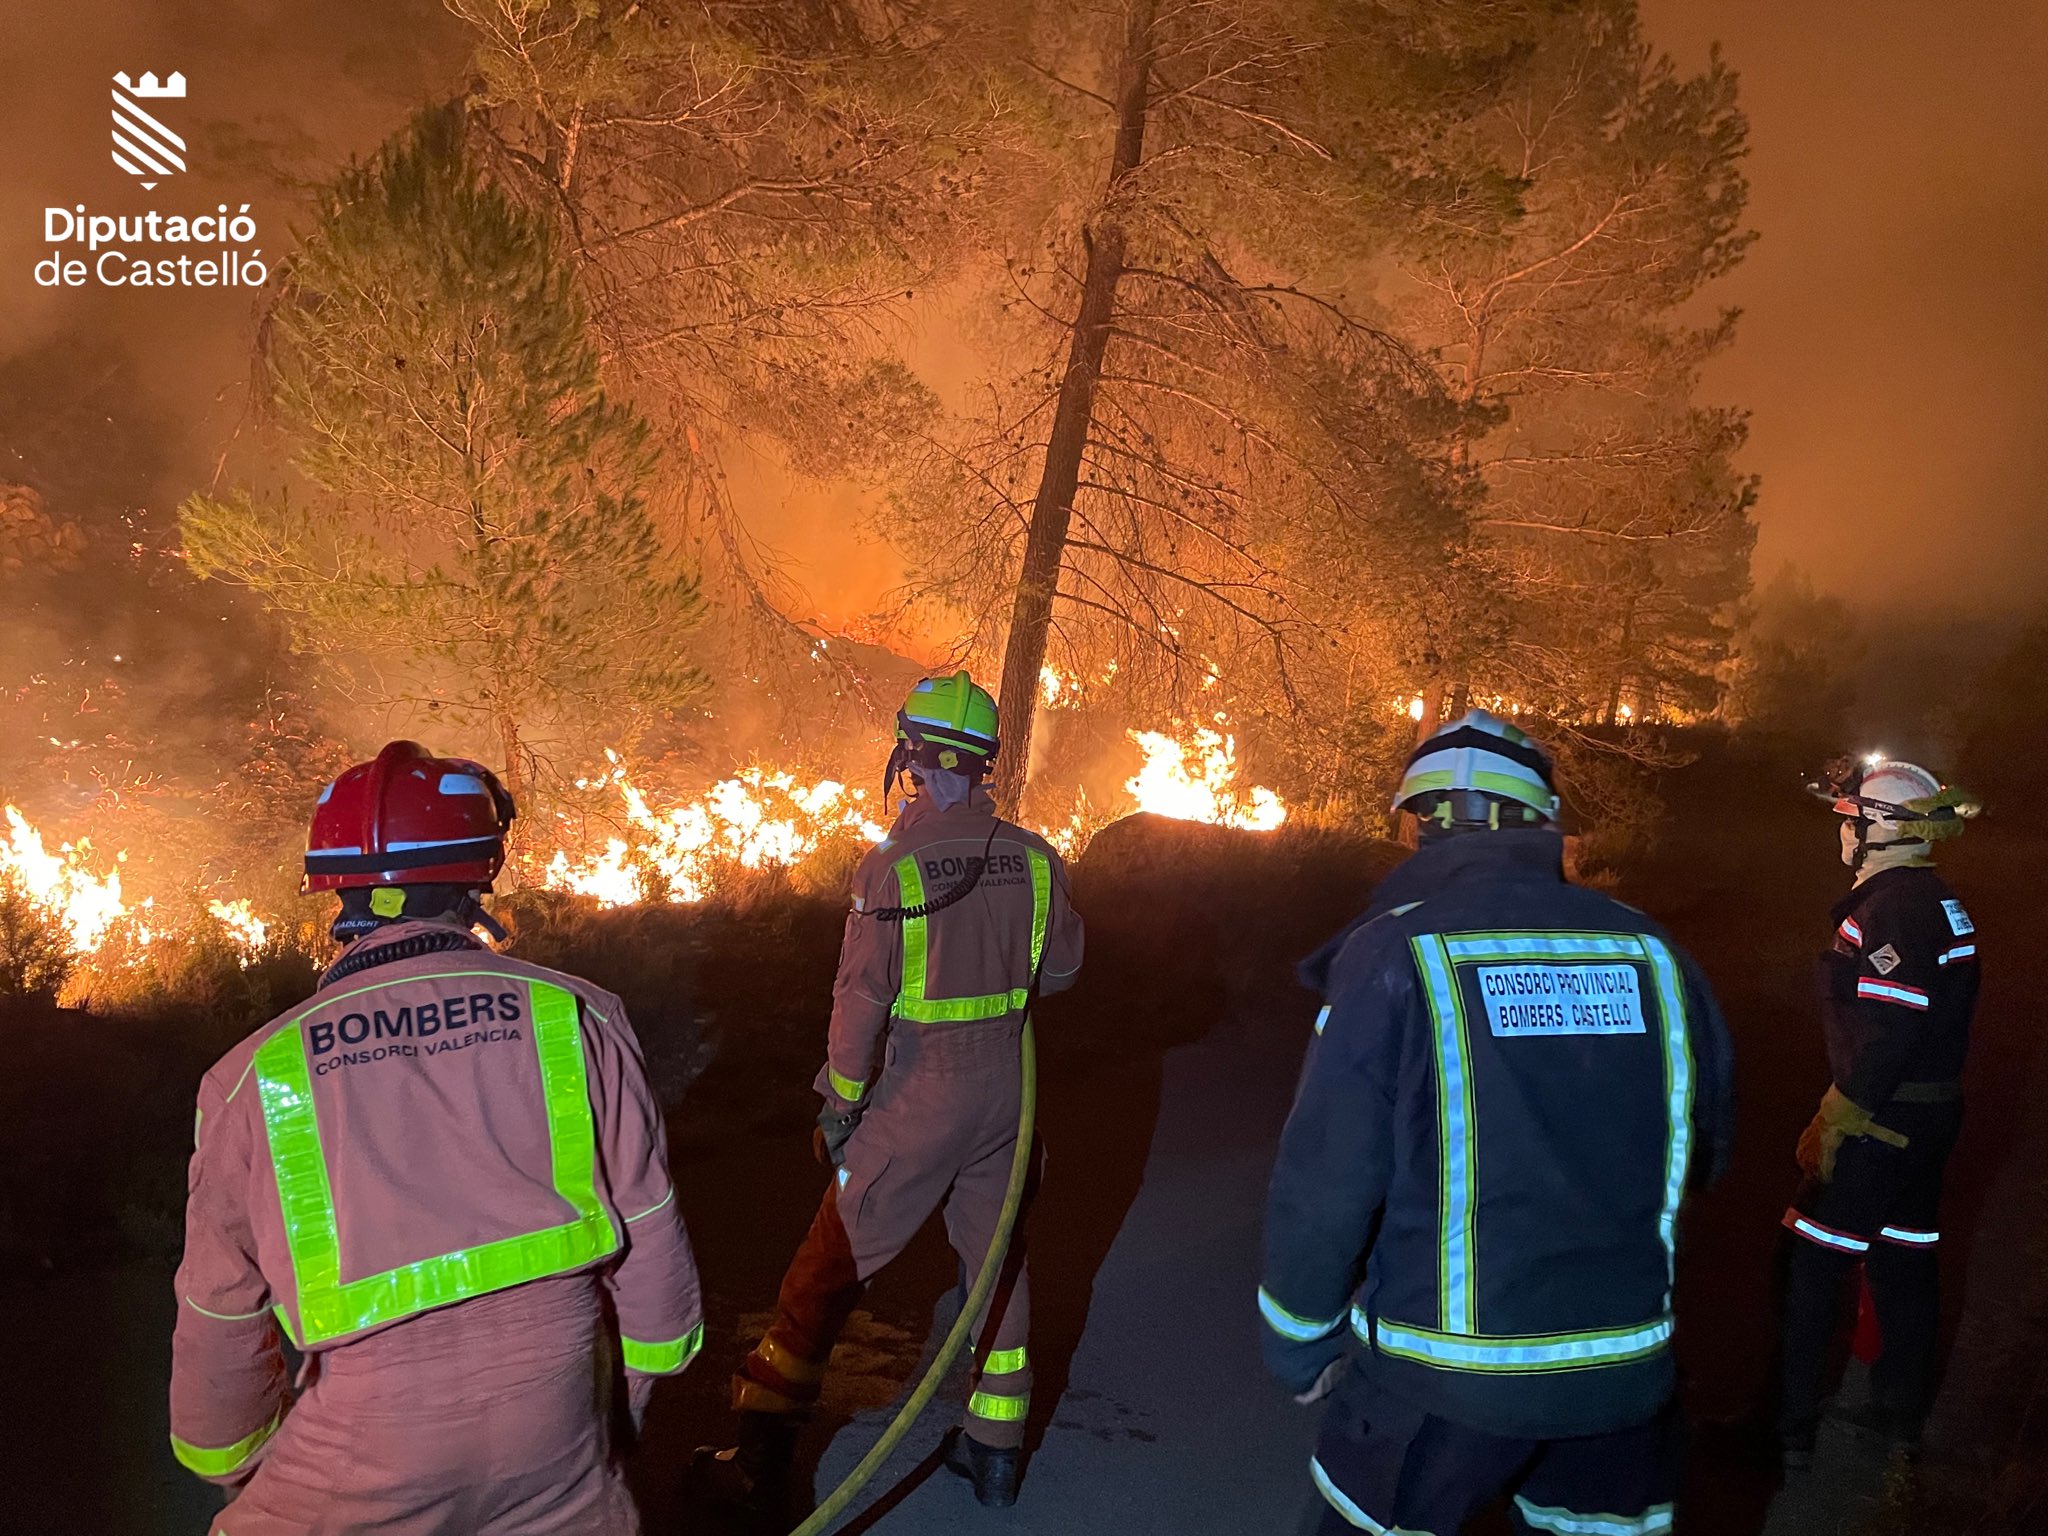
418 1135
973 960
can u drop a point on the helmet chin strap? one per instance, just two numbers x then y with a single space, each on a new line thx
899 760
1865 847
914 749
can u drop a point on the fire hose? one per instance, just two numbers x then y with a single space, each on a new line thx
836 1503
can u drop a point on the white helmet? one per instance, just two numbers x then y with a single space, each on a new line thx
1886 791
1902 803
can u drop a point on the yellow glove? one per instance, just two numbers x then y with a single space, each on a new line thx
1839 1118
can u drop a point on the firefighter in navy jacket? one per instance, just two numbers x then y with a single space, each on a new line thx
1898 987
1510 1086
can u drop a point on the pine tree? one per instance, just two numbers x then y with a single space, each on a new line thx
752 196
468 543
1217 453
1615 526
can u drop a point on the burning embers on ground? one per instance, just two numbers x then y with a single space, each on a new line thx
643 846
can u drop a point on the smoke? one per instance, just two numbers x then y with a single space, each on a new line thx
1890 344
116 403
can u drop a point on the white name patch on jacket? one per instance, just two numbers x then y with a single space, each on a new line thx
1561 999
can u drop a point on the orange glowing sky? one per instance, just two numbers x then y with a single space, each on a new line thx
1890 352
1894 310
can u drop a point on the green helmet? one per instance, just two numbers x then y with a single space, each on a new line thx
948 723
1466 771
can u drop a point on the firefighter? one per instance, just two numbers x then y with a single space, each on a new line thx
1898 987
1511 1083
443 1179
958 919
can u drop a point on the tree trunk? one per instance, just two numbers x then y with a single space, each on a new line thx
1628 622
514 777
1052 512
1432 708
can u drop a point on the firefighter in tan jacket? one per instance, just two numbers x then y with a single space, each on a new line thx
956 917
443 1178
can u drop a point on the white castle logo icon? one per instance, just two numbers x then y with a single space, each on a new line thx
143 146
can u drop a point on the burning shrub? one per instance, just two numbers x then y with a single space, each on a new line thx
35 952
760 825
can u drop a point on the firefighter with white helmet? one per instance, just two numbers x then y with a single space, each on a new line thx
1898 988
443 1178
1511 1085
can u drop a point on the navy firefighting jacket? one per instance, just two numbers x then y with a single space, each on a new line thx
1510 1086
1898 985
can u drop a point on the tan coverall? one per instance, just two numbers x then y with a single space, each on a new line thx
445 1176
933 1063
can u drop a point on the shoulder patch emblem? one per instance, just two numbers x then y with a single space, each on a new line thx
1885 960
1958 920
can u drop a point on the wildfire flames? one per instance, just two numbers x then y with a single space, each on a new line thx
759 819
62 885
245 930
1195 780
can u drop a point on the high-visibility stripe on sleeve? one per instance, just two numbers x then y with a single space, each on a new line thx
1005 1362
1292 1325
1827 1237
226 1460
1871 990
1322 1018
848 1088
1959 952
663 1358
1851 932
1912 1237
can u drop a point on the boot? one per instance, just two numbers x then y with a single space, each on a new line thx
747 1484
994 1470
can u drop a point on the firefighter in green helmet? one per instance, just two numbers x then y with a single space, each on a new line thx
957 917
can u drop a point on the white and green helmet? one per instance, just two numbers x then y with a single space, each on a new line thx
1479 754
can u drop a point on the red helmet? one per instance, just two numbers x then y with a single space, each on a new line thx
409 818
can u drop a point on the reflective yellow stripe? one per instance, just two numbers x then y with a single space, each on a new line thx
911 1002
229 1459
999 1406
1003 1361
787 1363
662 1359
328 1307
910 891
846 1087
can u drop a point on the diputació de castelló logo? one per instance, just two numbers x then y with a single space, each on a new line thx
144 146
153 249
